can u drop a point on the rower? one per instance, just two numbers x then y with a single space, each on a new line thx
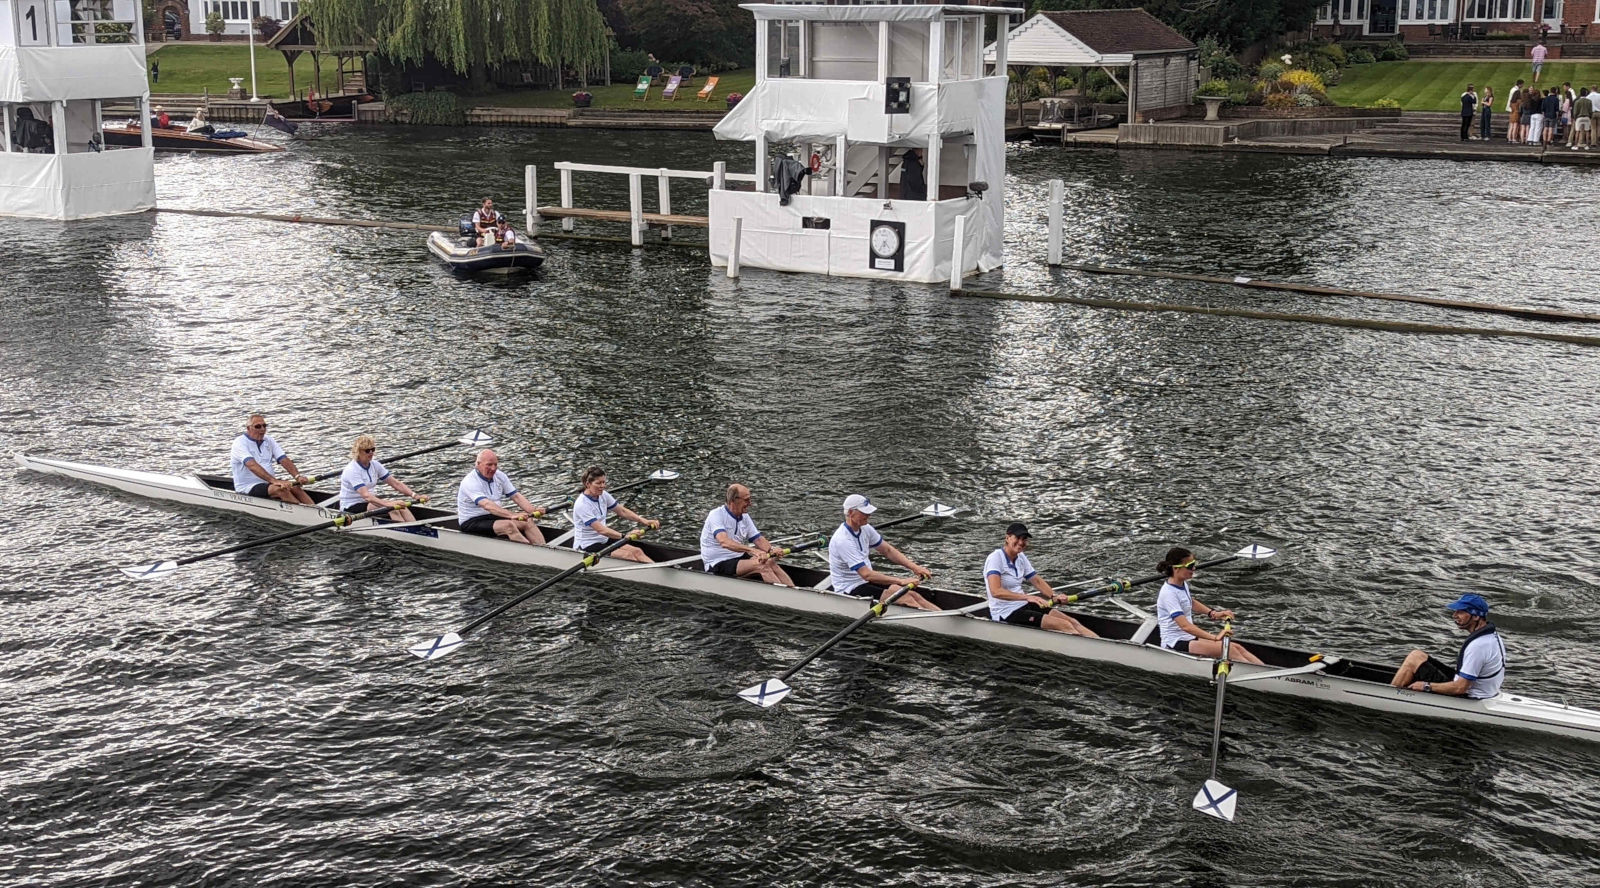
1480 667
589 530
358 483
478 508
1174 604
850 558
1004 573
252 457
731 546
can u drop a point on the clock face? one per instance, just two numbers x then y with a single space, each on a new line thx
885 241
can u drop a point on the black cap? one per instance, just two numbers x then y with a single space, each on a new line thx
1019 530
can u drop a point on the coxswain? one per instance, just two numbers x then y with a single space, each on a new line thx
1480 667
850 559
589 511
1004 573
253 457
358 483
478 508
1174 604
732 546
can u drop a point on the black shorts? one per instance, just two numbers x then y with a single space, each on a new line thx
1435 671
356 508
595 547
1029 614
728 567
868 590
1182 647
483 526
259 491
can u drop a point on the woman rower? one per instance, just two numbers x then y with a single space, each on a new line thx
1174 604
589 530
1003 575
358 483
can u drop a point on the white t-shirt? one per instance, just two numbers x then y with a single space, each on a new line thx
1484 664
354 477
720 520
267 455
475 489
848 551
585 512
508 238
1012 575
1173 602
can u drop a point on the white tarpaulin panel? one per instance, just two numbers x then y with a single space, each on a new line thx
77 186
41 73
872 13
821 110
30 185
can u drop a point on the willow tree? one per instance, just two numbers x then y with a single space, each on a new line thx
468 36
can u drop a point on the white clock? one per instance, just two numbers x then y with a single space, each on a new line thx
885 241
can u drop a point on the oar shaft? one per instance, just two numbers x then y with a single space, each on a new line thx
280 537
393 459
872 613
1125 585
1224 665
822 538
588 561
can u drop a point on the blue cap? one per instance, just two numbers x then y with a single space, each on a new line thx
1472 604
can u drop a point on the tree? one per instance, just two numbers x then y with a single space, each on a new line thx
697 31
1233 22
468 36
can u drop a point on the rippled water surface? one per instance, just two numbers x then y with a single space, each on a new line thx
256 721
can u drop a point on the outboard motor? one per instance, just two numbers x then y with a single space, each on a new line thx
466 231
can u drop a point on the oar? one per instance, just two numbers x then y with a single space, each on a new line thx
162 568
934 510
475 438
657 475
1252 552
447 643
772 691
1214 798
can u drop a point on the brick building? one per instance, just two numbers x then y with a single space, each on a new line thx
1418 21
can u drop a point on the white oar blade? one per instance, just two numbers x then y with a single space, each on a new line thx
151 571
443 646
939 510
476 438
1216 800
664 475
1256 552
767 694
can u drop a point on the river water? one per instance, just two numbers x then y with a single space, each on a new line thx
256 720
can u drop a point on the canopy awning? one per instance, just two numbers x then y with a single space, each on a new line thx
921 12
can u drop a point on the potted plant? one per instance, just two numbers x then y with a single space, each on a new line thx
215 25
733 99
582 98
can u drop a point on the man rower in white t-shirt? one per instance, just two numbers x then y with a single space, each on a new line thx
589 530
1480 667
478 508
1004 573
252 458
732 546
850 558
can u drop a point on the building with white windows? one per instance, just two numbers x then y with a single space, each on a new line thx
61 62
889 132
186 19
1421 21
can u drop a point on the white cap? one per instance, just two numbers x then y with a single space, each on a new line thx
859 503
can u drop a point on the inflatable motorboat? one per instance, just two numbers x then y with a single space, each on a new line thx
463 254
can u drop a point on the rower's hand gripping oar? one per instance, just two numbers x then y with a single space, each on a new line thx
657 475
1214 798
447 643
772 691
475 438
1252 552
162 568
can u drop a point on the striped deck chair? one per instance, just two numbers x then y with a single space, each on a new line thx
641 90
670 92
705 92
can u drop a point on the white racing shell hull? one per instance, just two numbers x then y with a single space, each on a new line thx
1366 691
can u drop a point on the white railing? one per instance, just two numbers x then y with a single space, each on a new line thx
716 179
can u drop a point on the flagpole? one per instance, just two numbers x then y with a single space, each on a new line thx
250 26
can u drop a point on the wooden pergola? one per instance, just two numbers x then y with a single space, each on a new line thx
297 37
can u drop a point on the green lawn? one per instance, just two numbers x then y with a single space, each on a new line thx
1437 86
196 67
620 95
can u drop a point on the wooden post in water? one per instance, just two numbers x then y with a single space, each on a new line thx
956 258
664 197
1058 190
566 198
636 209
733 246
530 189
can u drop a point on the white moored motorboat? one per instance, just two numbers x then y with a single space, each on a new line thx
1123 642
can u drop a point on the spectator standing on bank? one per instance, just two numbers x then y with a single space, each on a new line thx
1533 113
1485 113
155 71
1552 115
1582 124
1469 107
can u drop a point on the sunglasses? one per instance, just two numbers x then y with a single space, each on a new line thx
259 425
1187 565
369 450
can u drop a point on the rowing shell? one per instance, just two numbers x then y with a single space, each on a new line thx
1122 642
